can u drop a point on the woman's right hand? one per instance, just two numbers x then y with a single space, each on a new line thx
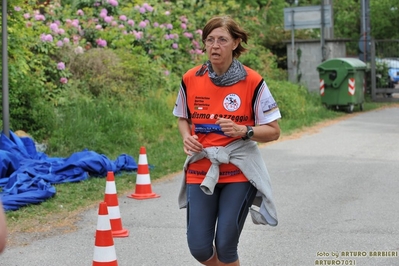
191 144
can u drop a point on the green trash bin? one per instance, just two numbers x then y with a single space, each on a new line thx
342 83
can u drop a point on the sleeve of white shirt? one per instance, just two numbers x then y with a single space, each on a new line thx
180 109
266 109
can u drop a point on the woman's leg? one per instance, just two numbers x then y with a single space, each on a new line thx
236 263
234 202
202 212
213 261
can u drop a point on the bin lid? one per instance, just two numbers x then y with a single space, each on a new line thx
348 63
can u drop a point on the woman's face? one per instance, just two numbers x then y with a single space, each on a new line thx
219 47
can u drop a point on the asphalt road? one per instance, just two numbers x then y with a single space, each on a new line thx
337 196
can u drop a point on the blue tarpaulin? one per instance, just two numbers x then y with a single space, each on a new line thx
27 176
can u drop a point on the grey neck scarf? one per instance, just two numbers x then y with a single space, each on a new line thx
234 74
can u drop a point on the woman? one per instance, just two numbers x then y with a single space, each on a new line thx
223 109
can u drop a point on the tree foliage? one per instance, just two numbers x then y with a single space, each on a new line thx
384 19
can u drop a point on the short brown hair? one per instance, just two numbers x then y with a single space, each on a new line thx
231 26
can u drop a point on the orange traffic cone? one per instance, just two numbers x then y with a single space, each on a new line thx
104 249
111 198
143 182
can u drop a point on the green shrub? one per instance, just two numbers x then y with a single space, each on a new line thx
125 62
291 98
33 76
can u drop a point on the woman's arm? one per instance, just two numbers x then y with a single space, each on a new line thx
266 133
3 229
262 133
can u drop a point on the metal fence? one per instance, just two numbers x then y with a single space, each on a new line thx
382 72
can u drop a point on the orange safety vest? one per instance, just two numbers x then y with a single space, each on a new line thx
205 103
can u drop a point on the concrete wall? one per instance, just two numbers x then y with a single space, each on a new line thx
310 58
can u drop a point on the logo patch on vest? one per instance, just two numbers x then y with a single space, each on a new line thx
232 102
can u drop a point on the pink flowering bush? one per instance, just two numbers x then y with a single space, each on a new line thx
104 47
28 71
161 31
108 24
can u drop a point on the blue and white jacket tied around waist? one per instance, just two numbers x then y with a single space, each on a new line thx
247 157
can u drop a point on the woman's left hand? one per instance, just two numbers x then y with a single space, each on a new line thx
230 128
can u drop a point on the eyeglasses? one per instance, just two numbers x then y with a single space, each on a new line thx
221 41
